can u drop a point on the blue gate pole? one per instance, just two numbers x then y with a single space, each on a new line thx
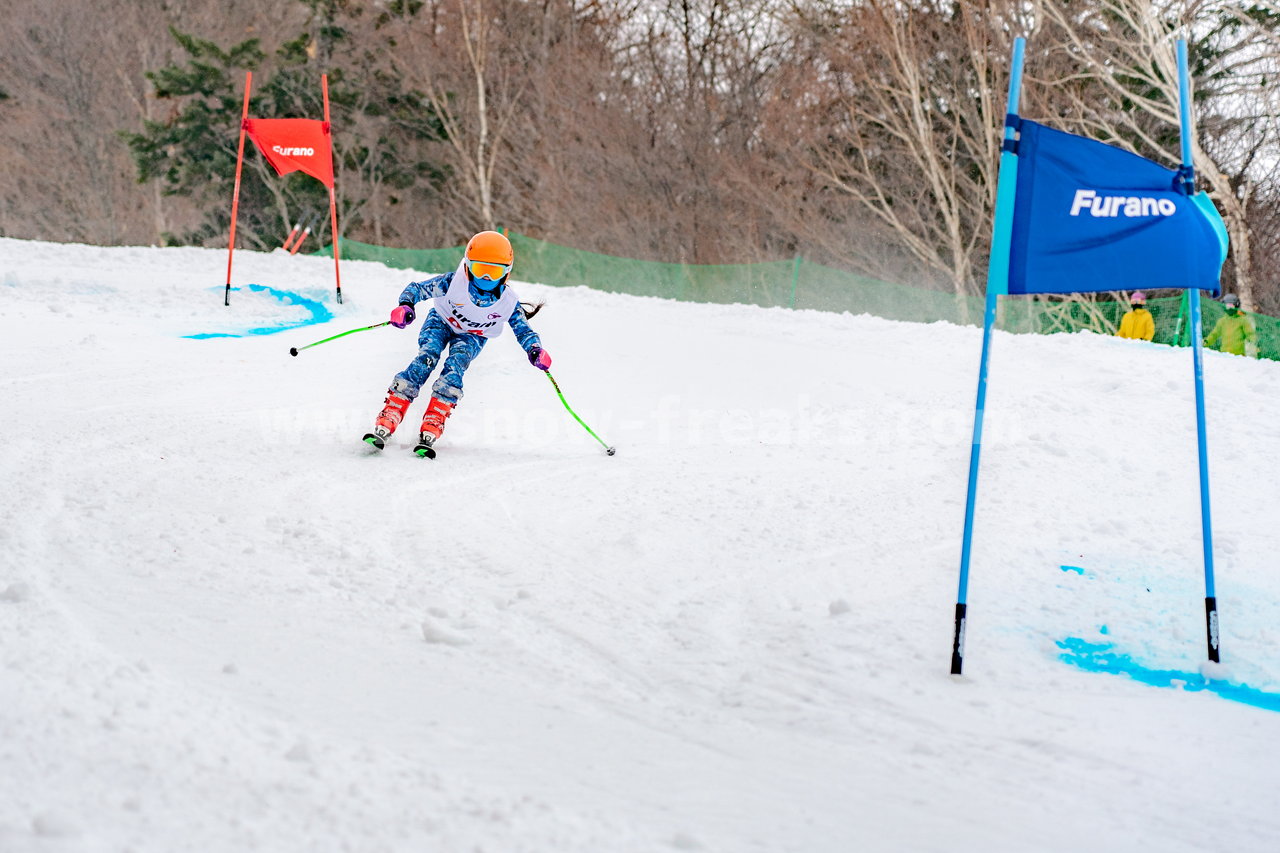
1197 350
1206 525
997 283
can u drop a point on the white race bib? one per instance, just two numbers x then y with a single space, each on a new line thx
466 317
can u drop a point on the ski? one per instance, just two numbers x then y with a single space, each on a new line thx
424 449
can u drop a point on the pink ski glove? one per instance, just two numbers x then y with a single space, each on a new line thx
401 316
539 358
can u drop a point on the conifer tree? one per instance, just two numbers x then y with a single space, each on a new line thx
380 131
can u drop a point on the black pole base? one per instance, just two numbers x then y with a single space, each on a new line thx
339 295
1211 627
957 641
226 299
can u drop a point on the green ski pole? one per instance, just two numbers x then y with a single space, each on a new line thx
295 350
607 449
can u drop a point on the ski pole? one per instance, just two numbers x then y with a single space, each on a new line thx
295 350
607 449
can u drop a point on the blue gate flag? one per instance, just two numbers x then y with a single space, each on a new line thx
1091 217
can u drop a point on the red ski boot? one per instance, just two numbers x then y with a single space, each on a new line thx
389 418
432 425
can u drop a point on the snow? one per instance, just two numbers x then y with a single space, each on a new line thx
225 625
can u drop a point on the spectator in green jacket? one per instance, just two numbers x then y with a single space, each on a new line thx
1232 332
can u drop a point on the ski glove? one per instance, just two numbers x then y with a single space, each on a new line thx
539 358
402 315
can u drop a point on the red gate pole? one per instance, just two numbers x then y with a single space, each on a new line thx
235 196
297 226
302 238
333 203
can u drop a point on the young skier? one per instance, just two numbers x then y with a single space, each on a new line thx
469 306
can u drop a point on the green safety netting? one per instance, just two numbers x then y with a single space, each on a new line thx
799 283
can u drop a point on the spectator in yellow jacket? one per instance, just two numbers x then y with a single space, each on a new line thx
1232 332
1137 323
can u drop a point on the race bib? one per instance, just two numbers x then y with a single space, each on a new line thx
467 318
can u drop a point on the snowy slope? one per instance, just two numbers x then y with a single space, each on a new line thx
225 626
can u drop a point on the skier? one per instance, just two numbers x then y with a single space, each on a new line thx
469 306
1232 332
1137 323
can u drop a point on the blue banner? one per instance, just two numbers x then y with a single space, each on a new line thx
1090 217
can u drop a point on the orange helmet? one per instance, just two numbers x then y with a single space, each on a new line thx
488 260
490 247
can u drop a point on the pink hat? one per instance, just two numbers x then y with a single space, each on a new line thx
1138 296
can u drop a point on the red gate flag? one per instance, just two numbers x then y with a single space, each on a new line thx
290 145
294 144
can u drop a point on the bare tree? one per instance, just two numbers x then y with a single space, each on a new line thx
699 73
615 126
55 129
902 119
452 53
74 80
1112 71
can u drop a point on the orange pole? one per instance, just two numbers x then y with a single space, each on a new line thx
235 196
297 226
302 238
333 202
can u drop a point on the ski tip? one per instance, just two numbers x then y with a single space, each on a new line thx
293 351
373 441
610 451
425 452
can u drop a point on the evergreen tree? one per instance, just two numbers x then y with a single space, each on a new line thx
380 132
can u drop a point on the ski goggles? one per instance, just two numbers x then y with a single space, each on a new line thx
487 270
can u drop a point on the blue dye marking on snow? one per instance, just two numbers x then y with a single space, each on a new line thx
1075 569
318 313
1104 630
1101 657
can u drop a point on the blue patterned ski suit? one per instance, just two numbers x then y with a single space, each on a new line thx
436 335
